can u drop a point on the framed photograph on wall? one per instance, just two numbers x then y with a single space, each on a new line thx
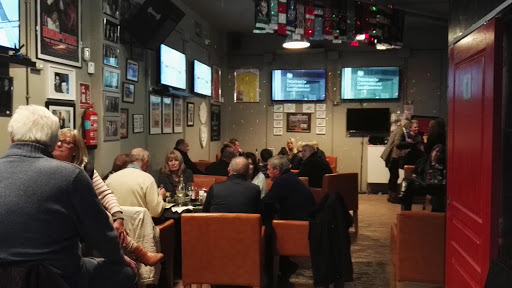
132 70
110 31
111 8
111 103
247 87
298 122
155 114
111 79
215 123
190 114
61 82
6 92
216 90
123 128
111 129
128 92
110 55
65 111
167 115
58 40
138 123
178 115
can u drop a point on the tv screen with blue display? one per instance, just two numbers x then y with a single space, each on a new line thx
370 83
173 68
10 24
298 85
202 79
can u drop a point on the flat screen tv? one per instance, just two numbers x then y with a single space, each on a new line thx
368 121
173 68
298 85
370 83
9 24
202 80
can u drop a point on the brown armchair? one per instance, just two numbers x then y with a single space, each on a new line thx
167 247
202 164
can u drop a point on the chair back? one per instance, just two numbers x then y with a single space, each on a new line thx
167 243
305 180
216 179
333 162
408 171
268 183
292 238
294 171
344 184
222 249
202 164
204 182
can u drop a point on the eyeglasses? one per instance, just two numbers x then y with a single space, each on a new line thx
65 143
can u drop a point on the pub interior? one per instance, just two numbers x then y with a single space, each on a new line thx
120 55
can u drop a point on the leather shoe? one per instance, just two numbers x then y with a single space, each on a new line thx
144 256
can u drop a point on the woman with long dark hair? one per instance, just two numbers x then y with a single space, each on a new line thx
255 176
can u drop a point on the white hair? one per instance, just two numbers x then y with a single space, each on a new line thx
34 124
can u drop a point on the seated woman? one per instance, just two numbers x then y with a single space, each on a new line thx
291 149
296 162
121 161
171 172
71 148
255 176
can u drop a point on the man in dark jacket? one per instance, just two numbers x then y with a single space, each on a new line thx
235 195
314 166
182 147
220 168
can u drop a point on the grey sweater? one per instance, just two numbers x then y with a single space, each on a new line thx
46 206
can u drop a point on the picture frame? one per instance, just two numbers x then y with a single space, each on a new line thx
111 31
61 82
320 130
289 107
247 85
138 123
308 108
215 123
60 43
278 116
320 107
111 8
110 55
278 108
111 79
167 115
321 122
278 123
178 115
216 84
124 125
155 114
6 95
65 111
111 103
128 92
190 114
298 122
278 131
111 128
132 70
321 114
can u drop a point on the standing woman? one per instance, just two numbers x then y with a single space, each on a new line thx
255 175
171 172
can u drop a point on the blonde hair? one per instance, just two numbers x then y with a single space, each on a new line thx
80 155
294 149
174 155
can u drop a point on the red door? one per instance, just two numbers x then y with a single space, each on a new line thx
474 115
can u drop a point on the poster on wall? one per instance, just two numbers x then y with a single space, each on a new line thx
85 95
216 96
58 31
247 87
215 123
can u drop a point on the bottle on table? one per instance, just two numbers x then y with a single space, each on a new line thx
181 188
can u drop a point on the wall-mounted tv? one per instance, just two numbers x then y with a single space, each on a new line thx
173 68
370 83
9 24
202 81
368 121
298 85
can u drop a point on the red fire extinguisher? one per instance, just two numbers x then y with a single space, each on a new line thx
90 127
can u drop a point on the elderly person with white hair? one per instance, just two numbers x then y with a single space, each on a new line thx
48 206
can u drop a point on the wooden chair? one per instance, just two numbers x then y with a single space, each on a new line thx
305 180
202 164
167 247
333 162
203 182
222 249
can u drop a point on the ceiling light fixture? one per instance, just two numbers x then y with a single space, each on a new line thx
295 41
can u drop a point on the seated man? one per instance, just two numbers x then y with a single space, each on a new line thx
265 154
133 186
314 166
236 194
182 147
236 145
48 206
220 168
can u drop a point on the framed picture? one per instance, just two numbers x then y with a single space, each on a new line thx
110 31
128 92
132 70
138 123
85 94
110 55
190 114
215 123
111 129
167 115
123 128
178 115
321 114
278 116
155 114
6 92
247 85
278 131
289 107
65 111
423 123
59 41
278 108
320 130
308 108
321 122
111 79
111 103
61 82
111 8
298 122
278 123
216 93
320 107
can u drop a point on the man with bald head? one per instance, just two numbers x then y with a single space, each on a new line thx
133 186
235 195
